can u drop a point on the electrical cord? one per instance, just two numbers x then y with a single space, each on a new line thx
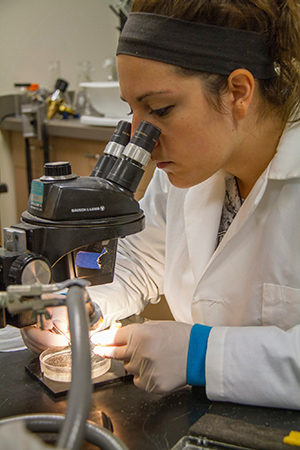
4 117
80 393
52 423
28 163
46 146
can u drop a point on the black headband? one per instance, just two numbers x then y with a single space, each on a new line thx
194 45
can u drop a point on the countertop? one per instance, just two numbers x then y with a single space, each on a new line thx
71 127
141 420
67 128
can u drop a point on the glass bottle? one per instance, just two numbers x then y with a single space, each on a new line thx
81 101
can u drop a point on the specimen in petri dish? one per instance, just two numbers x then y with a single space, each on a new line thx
56 364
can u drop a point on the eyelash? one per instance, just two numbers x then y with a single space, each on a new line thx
158 112
162 111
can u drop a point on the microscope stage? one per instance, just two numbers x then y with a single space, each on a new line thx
115 374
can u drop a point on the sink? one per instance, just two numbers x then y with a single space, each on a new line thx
104 96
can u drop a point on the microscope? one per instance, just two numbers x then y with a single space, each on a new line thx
72 223
67 239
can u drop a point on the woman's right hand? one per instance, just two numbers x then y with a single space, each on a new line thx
37 340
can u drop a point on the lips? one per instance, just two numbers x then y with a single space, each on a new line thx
162 164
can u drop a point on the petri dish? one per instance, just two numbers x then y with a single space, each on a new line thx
56 364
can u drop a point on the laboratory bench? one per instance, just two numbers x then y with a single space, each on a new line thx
143 421
68 128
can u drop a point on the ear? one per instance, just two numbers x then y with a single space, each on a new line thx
241 87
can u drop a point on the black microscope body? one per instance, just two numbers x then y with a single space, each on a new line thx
72 224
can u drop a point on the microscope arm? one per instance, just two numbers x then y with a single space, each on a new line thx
19 298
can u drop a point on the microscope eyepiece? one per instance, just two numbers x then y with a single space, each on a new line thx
142 143
146 136
122 132
127 170
113 149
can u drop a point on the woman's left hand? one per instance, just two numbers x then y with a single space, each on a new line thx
155 352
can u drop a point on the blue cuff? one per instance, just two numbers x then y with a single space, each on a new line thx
195 372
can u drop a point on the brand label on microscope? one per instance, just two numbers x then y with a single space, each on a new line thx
36 195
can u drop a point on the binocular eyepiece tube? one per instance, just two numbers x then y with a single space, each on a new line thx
113 149
123 158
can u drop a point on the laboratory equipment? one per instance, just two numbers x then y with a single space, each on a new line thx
70 230
113 150
104 97
81 101
54 74
56 364
110 64
72 428
72 223
57 101
121 10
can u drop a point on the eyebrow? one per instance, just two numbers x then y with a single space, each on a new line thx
148 94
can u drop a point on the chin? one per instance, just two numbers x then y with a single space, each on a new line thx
179 182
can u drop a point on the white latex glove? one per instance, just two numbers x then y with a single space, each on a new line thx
154 352
38 340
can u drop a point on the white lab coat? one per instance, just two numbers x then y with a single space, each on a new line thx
248 289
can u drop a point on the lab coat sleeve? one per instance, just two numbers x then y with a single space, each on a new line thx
140 259
254 365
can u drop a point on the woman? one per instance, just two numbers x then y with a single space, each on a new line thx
221 80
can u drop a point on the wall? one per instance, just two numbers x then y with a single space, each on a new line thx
34 33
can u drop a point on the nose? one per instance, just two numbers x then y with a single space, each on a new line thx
136 120
134 124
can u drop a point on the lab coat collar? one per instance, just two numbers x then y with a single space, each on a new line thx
202 212
284 165
286 162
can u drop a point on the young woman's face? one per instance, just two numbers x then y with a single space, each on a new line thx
196 140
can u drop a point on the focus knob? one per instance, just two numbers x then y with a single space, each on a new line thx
57 169
60 170
30 268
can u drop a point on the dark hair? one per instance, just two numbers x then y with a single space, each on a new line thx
278 20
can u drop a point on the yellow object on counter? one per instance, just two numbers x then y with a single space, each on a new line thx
293 438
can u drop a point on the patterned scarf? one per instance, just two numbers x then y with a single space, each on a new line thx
232 204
